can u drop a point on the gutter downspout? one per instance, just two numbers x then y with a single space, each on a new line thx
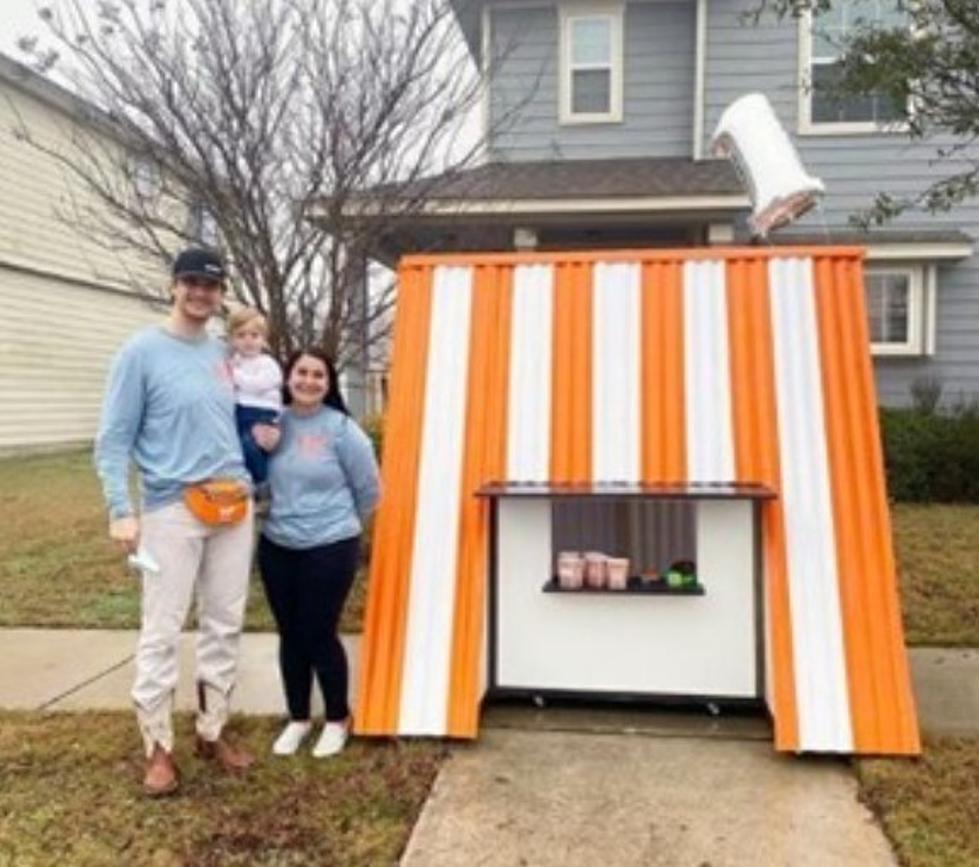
486 69
700 61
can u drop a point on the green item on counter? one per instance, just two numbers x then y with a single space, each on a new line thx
675 579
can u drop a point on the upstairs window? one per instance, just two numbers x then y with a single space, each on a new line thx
823 36
591 63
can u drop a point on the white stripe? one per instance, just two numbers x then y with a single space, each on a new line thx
616 372
529 409
817 630
428 641
707 368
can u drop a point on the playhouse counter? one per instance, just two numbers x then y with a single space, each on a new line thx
694 644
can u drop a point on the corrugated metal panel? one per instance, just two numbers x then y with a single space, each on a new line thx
59 340
781 356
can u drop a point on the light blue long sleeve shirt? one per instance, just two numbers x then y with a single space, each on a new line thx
169 406
323 478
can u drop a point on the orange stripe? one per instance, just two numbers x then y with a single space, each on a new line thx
664 439
483 461
881 705
755 424
571 409
382 644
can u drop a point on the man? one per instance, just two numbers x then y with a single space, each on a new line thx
169 407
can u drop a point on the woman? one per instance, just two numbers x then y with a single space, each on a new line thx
324 484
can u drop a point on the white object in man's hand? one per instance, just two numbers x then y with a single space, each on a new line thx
125 533
143 562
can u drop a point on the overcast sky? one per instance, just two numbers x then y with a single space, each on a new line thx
17 18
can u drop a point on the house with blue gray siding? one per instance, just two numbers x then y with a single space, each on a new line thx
598 116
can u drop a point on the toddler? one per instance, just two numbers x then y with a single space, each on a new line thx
258 385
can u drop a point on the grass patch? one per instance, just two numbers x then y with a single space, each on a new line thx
937 547
929 807
57 567
70 795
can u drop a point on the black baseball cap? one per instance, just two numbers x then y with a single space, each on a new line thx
199 262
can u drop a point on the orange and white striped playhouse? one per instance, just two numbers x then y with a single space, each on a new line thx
745 365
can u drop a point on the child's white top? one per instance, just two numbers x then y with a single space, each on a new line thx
258 381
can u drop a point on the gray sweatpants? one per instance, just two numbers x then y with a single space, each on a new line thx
216 562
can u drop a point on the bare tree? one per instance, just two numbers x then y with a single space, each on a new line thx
262 123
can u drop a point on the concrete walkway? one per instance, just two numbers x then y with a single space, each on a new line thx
564 799
71 669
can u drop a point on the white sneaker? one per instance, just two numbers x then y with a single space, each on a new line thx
292 736
332 740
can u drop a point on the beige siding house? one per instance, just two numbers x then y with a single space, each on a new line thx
67 303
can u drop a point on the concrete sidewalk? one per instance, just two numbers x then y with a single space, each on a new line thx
71 669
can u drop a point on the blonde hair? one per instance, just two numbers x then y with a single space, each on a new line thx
247 316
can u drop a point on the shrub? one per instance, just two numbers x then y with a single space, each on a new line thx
932 456
373 426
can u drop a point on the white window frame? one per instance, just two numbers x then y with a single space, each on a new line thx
807 126
922 280
569 13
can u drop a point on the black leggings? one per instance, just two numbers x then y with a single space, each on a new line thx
306 589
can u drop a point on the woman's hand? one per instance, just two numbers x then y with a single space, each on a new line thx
266 435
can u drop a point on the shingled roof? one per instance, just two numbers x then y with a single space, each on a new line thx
633 177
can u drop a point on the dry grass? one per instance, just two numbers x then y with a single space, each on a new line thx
938 554
70 795
929 807
57 567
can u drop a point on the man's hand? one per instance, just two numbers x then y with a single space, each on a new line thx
266 435
124 532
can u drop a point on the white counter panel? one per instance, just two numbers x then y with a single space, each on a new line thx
658 644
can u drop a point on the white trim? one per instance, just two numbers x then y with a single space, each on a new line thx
485 95
805 125
453 207
918 338
700 66
931 304
567 14
924 250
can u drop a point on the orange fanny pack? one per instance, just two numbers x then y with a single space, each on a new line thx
218 502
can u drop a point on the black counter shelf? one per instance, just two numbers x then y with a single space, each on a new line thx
635 587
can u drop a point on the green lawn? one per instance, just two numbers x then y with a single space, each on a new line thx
70 795
57 567
929 807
